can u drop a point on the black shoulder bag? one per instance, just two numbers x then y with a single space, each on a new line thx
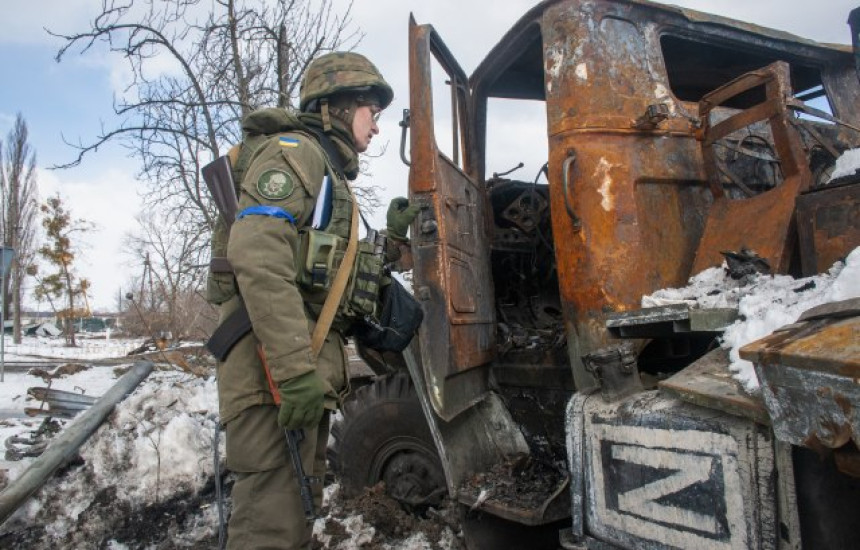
400 314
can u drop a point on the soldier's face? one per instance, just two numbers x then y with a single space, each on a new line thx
364 126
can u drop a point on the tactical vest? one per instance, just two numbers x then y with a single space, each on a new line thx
321 250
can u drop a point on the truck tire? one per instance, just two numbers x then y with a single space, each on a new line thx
384 436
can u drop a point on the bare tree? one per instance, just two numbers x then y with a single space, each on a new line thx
170 251
226 58
18 214
227 62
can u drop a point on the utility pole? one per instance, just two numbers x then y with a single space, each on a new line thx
6 255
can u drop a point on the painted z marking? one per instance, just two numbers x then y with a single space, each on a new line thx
643 500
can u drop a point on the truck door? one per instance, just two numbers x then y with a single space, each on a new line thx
450 244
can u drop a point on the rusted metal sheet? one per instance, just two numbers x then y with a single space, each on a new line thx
627 199
655 322
763 223
808 374
828 226
709 383
451 273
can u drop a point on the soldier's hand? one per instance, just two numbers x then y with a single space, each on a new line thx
400 216
301 401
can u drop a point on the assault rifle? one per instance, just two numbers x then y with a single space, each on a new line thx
218 176
294 437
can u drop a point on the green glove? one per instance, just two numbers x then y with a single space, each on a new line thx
400 215
301 401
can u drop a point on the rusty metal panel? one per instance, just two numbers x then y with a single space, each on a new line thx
828 226
709 382
627 199
762 223
808 374
450 245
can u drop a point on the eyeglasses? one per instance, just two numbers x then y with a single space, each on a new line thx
375 113
372 104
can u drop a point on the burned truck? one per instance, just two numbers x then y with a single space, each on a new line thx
539 394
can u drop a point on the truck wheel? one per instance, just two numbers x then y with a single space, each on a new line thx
384 436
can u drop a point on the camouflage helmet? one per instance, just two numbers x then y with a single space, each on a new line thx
342 72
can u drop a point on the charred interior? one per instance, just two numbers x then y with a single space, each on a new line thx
526 280
531 371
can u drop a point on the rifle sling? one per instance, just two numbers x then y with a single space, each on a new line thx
338 286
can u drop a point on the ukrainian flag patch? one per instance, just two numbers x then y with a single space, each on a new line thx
288 142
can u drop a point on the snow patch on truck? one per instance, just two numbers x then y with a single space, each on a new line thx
582 71
846 164
764 302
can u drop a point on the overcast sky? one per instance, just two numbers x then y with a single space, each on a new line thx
73 98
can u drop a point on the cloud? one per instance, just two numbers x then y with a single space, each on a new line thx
25 21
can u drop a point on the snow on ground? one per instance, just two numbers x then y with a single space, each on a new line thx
13 389
89 346
145 479
764 302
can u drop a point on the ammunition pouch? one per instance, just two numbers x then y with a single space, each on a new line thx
362 292
319 258
375 308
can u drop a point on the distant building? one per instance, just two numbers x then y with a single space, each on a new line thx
33 321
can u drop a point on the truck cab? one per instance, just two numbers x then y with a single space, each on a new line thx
550 403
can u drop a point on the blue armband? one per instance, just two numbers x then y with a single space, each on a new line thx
260 210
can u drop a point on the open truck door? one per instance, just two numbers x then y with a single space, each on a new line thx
472 427
450 236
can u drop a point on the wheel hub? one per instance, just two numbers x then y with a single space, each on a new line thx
411 475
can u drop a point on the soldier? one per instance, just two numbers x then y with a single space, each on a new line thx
284 165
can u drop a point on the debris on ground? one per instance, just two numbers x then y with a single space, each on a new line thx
375 521
521 482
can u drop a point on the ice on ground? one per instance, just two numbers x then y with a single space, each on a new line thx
764 302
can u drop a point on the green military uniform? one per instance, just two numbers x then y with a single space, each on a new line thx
286 171
282 170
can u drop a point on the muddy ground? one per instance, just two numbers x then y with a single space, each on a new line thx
372 521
